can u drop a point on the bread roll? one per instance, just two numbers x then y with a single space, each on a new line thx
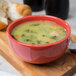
16 10
3 14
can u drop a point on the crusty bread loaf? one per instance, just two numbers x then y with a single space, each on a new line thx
16 10
3 14
3 23
12 11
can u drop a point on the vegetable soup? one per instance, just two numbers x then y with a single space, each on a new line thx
38 32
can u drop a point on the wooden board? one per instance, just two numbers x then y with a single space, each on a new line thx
56 68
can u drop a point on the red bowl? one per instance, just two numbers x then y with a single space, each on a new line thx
39 54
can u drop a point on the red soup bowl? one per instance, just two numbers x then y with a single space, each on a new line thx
39 54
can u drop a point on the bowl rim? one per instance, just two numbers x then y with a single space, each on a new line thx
42 45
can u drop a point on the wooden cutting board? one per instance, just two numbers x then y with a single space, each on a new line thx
56 68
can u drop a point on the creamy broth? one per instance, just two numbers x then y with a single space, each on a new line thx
38 32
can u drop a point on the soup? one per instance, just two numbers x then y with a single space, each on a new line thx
38 32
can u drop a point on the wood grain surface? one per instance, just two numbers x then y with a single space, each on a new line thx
73 38
56 68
